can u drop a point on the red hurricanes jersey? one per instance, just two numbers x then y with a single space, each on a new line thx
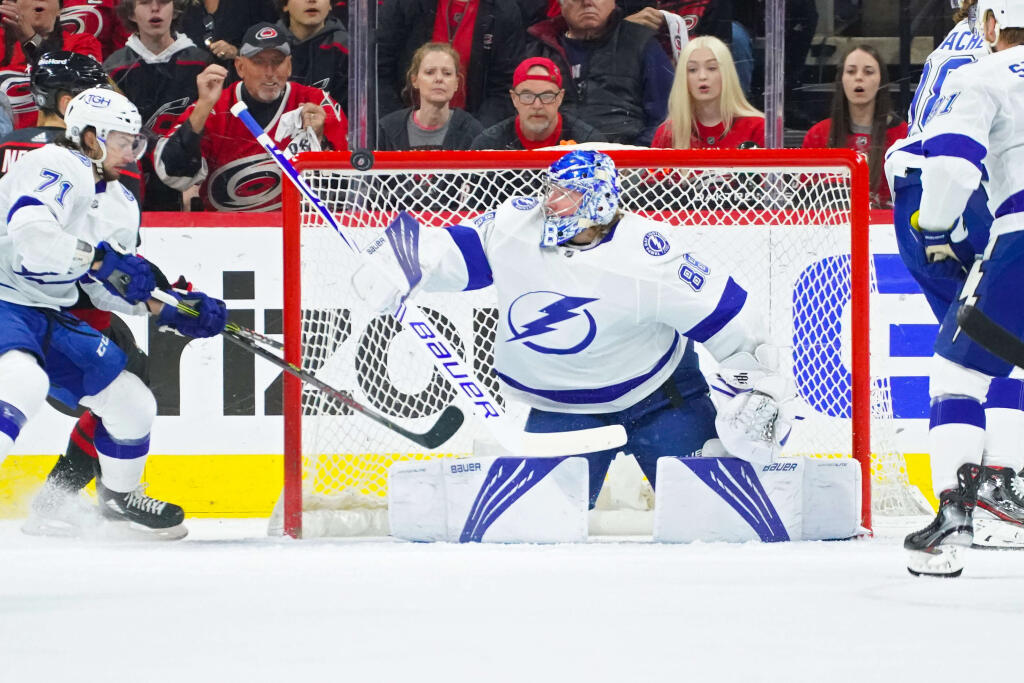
242 176
97 18
14 76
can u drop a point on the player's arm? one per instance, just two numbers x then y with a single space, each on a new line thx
407 259
705 303
956 142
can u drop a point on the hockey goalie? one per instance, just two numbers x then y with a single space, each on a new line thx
599 312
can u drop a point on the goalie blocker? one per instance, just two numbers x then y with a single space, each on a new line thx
544 500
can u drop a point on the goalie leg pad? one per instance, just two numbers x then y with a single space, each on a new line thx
728 499
491 500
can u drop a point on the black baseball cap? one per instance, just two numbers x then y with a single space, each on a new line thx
264 36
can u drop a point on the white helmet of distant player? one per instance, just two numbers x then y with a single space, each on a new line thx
1007 13
106 111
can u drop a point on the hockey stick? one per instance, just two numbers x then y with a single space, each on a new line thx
450 421
446 359
991 335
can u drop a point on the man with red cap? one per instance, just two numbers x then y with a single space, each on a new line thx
536 94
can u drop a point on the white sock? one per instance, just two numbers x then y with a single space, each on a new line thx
956 435
121 475
1004 420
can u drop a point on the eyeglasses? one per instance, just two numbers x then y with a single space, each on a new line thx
527 97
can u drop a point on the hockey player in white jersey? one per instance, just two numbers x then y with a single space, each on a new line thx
598 312
940 262
978 118
68 221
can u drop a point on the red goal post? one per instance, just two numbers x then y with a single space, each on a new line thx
772 200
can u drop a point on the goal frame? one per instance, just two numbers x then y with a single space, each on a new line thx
860 359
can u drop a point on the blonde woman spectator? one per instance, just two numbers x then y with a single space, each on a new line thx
433 78
706 106
862 117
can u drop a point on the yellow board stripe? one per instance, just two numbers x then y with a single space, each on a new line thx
232 485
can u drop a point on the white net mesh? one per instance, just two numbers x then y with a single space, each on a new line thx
784 232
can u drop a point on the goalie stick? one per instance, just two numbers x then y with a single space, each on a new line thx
443 429
991 335
447 361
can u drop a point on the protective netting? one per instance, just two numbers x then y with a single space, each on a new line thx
784 232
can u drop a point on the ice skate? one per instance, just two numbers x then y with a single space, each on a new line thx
57 511
937 549
999 515
141 513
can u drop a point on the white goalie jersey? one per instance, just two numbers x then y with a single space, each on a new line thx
51 202
588 330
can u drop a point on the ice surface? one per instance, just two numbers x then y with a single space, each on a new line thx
229 604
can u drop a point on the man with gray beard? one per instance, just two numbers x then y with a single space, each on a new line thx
209 146
537 95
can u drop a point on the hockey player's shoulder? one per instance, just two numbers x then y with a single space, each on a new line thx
995 72
516 209
644 238
61 160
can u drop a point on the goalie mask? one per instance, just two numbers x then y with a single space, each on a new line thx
107 112
566 214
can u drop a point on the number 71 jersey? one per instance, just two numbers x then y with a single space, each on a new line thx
49 201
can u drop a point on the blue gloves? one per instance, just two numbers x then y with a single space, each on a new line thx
945 244
210 318
125 275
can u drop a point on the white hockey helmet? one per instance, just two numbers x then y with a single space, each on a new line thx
106 111
1007 13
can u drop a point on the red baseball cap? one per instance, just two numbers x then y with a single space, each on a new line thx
553 75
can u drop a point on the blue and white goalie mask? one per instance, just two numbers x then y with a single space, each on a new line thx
582 190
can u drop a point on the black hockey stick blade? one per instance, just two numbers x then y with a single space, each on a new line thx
445 428
991 335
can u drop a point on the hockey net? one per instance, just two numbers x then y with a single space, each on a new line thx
791 224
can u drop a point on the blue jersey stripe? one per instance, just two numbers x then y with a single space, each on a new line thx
1012 204
468 242
955 145
600 394
21 203
732 300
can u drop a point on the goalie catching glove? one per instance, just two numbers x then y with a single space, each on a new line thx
757 415
208 318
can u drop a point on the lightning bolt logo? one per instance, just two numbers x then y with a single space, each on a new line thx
967 294
550 315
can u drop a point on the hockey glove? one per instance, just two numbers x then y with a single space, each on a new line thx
757 416
125 275
940 245
211 315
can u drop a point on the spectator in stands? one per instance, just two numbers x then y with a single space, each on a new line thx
97 18
862 116
487 35
32 27
706 107
537 94
433 80
618 75
218 25
157 70
212 147
319 45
